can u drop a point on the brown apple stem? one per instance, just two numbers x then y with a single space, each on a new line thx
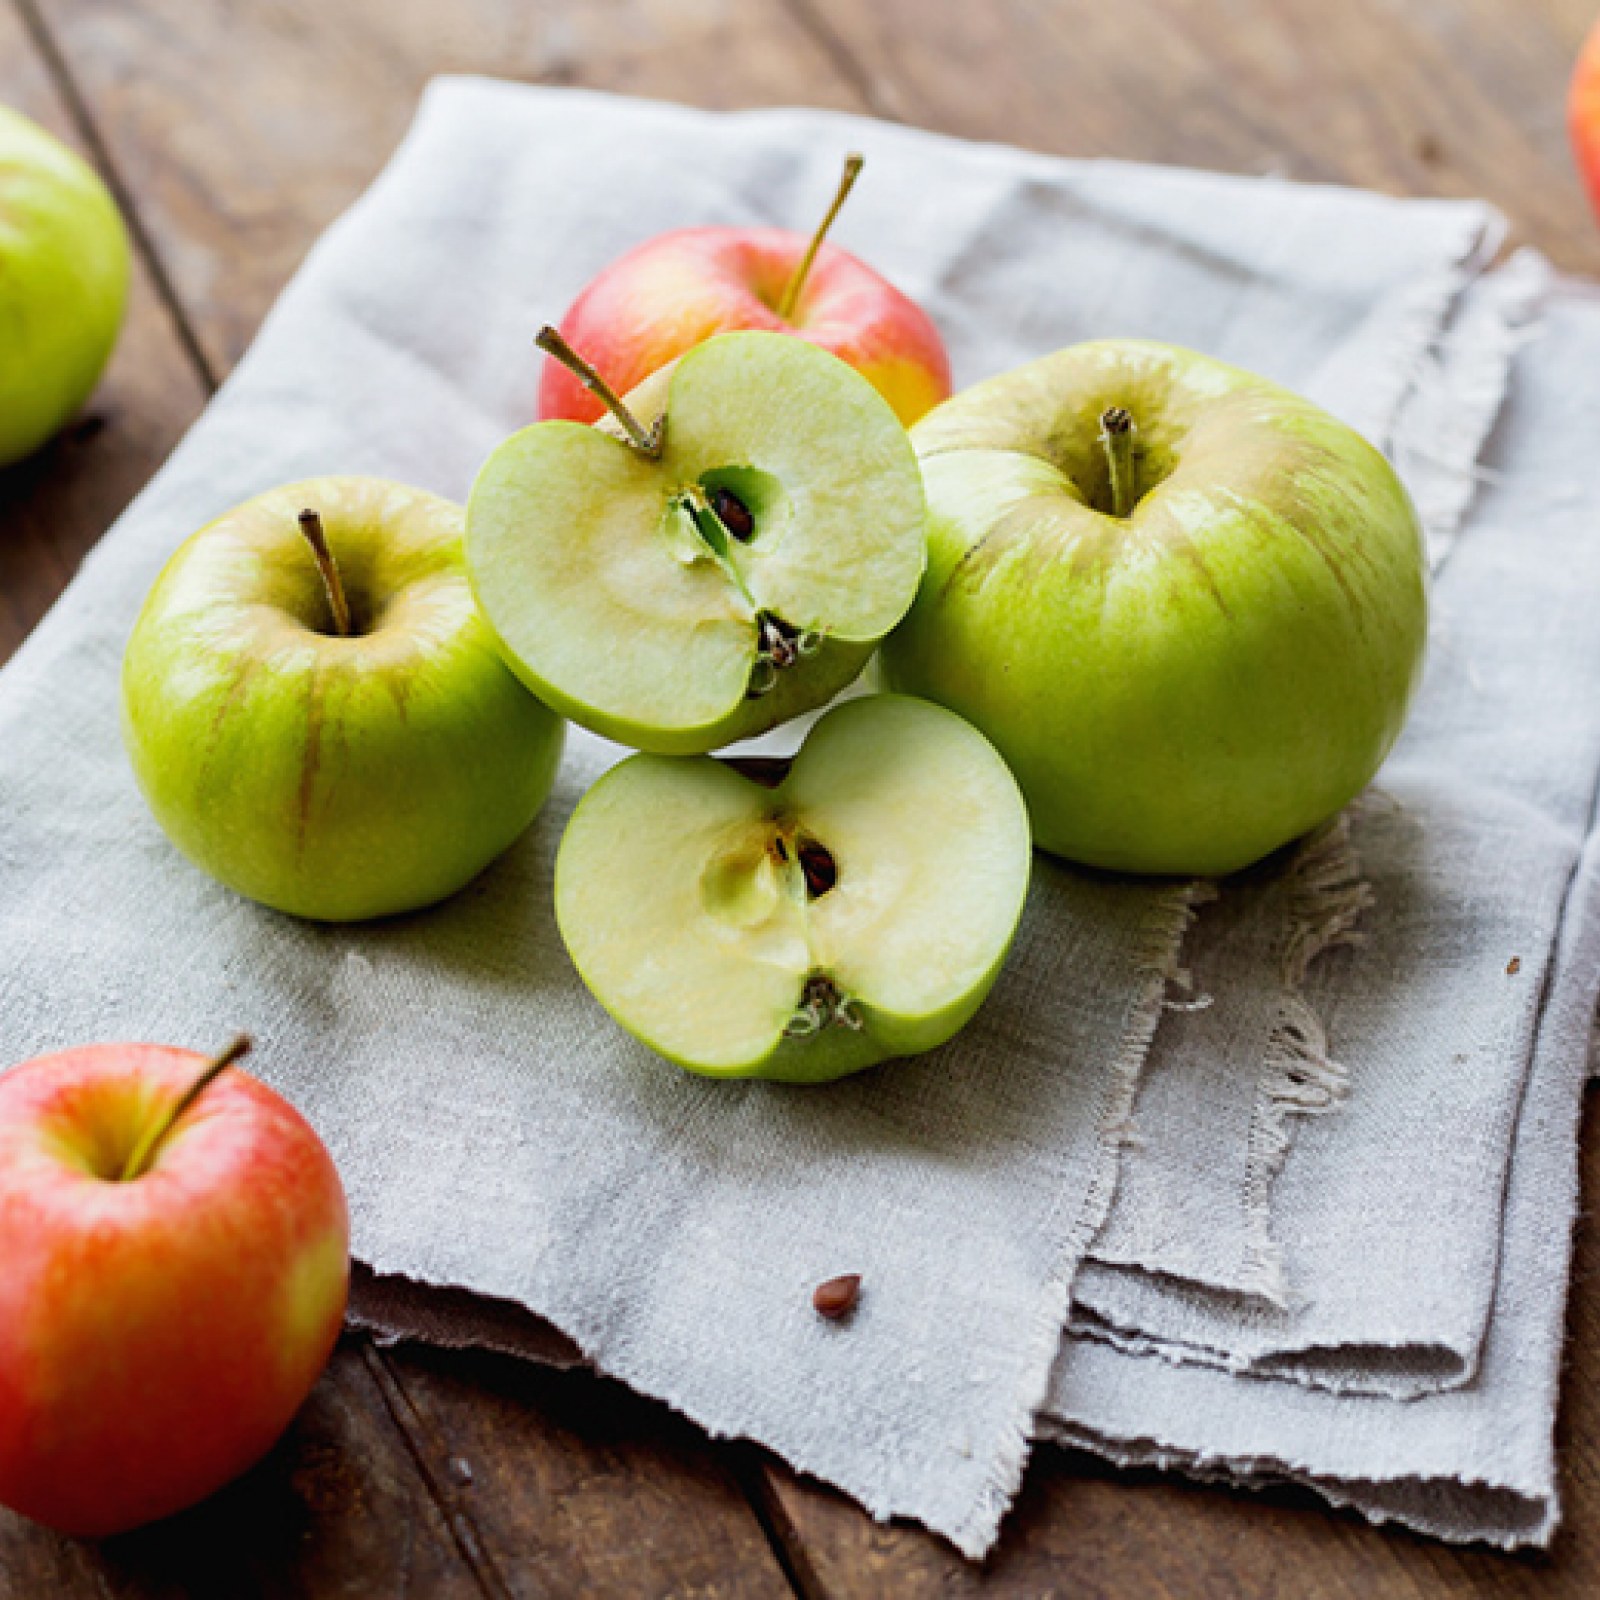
317 538
1117 436
797 279
647 444
144 1152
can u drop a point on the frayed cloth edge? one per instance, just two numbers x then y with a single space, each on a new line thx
1298 1075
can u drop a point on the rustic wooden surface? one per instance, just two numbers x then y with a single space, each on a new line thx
233 131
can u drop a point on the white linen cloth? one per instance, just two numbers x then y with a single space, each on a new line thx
498 1134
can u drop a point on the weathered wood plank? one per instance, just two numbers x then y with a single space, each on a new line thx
245 129
1454 97
576 1486
338 1510
338 1502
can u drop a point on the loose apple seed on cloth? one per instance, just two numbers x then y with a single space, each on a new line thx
497 1134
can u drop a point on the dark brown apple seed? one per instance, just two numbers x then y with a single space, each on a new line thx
820 869
734 514
838 1296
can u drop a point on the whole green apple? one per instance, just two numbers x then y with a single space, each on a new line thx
63 283
1188 606
318 715
859 908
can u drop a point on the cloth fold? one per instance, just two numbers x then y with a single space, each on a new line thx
1433 1219
504 1145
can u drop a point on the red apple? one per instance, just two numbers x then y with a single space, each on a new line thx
675 291
1583 114
175 1252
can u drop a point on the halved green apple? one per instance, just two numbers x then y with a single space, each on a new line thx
861 909
722 562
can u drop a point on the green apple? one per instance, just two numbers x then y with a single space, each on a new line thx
712 566
63 283
1188 606
860 909
316 712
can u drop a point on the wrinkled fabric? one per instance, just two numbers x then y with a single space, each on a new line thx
498 1136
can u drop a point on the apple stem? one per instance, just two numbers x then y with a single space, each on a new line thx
144 1152
553 345
797 279
1117 436
317 538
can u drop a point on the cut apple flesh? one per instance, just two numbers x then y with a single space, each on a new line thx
858 910
650 597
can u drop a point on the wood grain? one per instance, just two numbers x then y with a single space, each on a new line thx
53 507
576 1486
245 129
1449 97
337 1510
238 130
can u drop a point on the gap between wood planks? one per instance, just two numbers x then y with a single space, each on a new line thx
88 130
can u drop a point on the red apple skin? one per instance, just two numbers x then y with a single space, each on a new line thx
1583 114
156 1336
675 291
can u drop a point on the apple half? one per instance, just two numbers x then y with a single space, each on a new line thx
726 560
859 910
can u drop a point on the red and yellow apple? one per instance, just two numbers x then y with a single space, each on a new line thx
1583 114
176 1250
679 289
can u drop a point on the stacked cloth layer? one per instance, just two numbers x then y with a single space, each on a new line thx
1276 1182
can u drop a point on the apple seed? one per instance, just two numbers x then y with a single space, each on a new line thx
820 869
838 1296
733 514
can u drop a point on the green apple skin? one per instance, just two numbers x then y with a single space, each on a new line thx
698 935
63 283
1185 689
332 778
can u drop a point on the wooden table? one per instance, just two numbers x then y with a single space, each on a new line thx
232 134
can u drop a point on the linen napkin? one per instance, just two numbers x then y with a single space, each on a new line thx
1431 1219
496 1133
1195 1203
